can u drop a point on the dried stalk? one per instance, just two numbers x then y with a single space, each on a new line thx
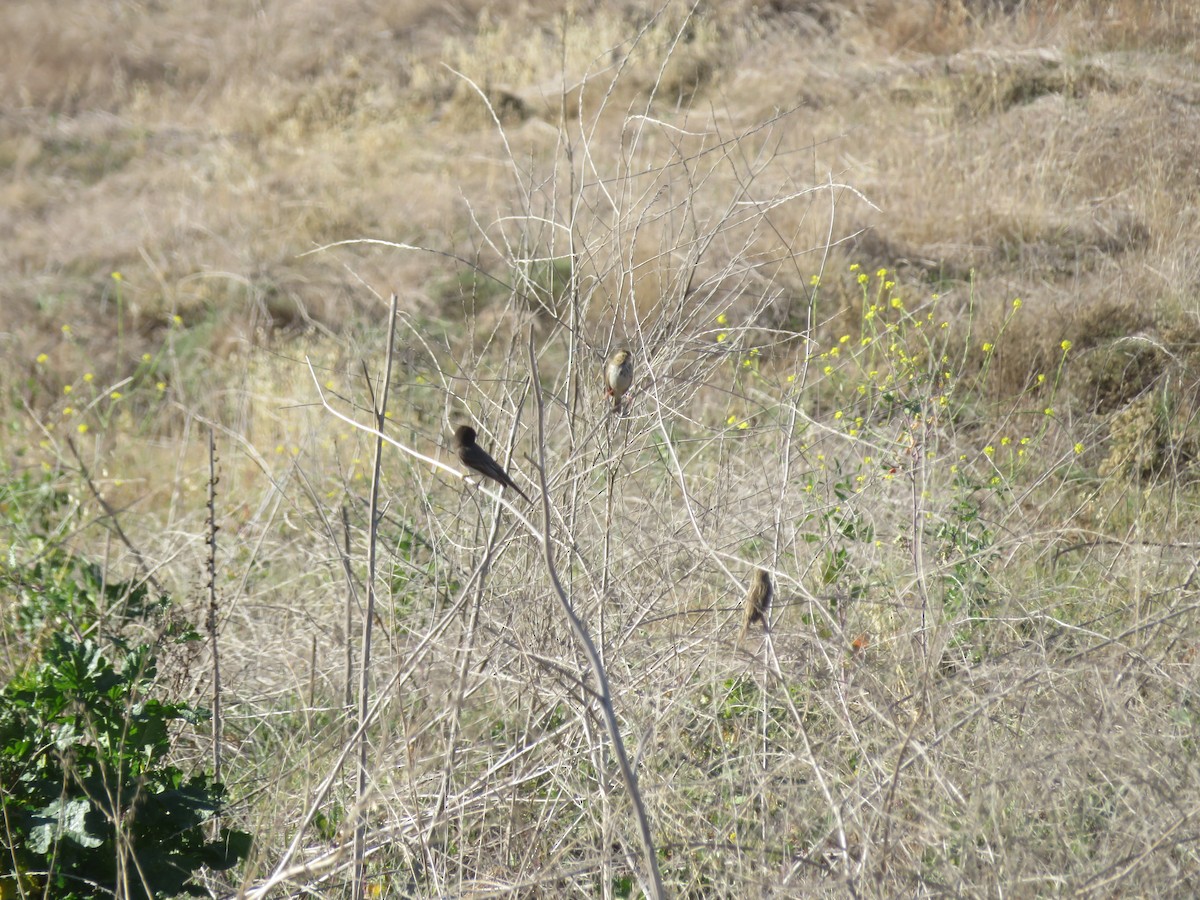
379 405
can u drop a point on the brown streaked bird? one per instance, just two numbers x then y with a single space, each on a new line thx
758 601
477 459
618 376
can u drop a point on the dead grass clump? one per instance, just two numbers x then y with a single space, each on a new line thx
1128 24
534 67
65 62
927 26
689 73
985 84
1146 383
1064 245
1150 436
1122 354
85 160
329 102
467 110
1136 440
874 248
1120 370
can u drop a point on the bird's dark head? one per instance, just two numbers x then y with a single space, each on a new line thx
464 436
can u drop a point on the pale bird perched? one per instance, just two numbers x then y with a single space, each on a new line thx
476 459
618 376
758 601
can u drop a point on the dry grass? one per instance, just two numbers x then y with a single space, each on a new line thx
981 666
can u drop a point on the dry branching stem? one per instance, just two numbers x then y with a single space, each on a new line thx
364 686
602 692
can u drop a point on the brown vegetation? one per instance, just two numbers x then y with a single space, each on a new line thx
912 292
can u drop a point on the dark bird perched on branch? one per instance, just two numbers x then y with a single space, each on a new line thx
477 459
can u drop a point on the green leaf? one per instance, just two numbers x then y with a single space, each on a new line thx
66 819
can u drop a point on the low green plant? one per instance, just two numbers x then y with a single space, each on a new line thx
62 592
91 806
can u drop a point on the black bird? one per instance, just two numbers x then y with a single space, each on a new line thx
476 459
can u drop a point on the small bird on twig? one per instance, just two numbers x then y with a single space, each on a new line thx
618 376
758 601
477 459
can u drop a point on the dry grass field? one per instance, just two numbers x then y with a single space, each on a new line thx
913 294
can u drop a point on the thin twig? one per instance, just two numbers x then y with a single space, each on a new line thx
212 619
364 685
351 601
